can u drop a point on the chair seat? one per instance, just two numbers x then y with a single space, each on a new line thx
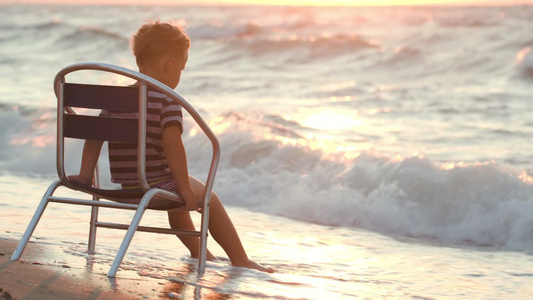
130 196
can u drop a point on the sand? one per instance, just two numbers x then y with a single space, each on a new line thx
46 272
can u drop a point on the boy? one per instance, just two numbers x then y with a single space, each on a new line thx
161 52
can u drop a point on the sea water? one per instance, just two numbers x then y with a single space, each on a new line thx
366 152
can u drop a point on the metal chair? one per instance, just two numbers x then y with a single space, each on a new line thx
73 125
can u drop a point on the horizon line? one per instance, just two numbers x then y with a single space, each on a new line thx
229 4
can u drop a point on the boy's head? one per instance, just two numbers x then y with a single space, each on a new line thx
160 48
156 39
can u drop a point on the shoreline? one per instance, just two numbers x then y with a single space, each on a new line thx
47 272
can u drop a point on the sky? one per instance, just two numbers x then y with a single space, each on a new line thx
284 2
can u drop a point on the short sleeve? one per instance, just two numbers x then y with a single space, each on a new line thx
171 115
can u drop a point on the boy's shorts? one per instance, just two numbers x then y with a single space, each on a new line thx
133 195
159 203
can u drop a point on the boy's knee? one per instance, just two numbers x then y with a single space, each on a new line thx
214 200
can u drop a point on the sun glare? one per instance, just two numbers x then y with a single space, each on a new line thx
330 120
368 2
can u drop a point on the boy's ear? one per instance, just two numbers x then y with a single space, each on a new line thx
169 64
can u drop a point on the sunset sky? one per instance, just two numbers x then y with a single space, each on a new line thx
284 2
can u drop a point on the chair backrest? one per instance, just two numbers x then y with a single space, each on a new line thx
70 124
113 98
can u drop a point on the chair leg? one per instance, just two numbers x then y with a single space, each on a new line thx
34 220
130 232
94 214
203 240
92 229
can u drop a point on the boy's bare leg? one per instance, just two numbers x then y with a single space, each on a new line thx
181 220
224 232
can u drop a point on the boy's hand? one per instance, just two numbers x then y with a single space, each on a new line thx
190 199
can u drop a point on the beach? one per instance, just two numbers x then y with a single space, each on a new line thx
366 152
47 273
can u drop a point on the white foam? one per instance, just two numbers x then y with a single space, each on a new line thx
480 203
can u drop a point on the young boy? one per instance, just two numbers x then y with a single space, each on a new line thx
161 52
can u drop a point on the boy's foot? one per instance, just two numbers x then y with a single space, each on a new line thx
255 266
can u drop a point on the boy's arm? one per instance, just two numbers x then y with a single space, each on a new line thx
177 161
91 152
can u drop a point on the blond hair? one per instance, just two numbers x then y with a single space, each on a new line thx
155 39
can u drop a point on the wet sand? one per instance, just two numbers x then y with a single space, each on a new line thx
46 272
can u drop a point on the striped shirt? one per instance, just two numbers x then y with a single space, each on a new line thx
162 112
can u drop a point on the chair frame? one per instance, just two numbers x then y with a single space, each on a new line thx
149 193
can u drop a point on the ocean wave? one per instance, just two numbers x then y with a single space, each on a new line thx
403 55
40 26
350 89
477 204
50 25
267 165
305 49
287 36
93 34
480 204
82 42
216 31
56 35
483 18
15 34
28 140
274 124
